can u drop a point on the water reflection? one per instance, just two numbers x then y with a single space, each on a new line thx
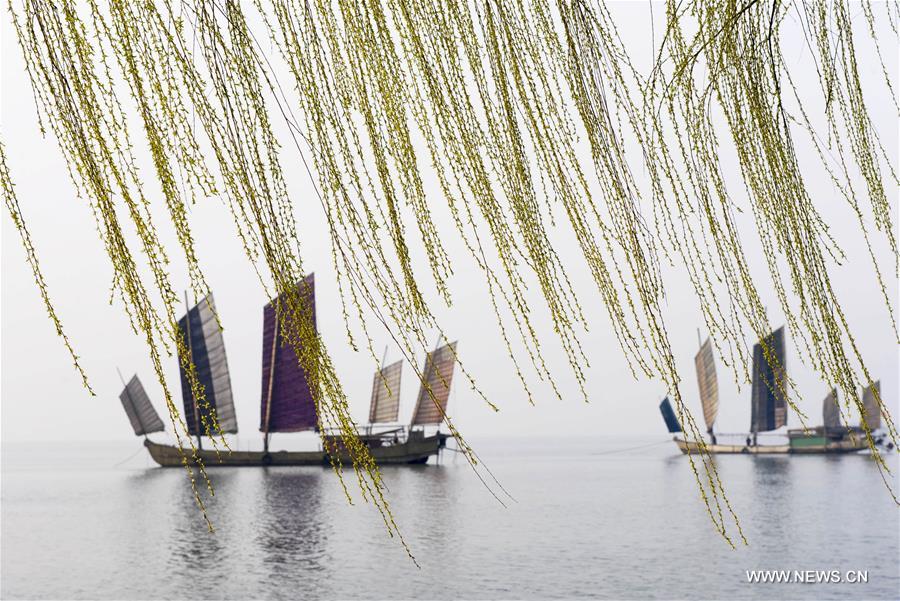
164 515
772 492
427 500
580 528
772 481
194 549
772 471
293 528
433 502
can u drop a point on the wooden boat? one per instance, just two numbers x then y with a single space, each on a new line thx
384 408
814 446
416 449
769 410
287 403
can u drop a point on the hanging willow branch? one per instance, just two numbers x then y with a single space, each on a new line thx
15 213
493 98
745 70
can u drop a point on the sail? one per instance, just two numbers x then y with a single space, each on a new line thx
669 416
386 394
768 404
207 351
873 411
707 383
287 400
140 411
438 374
831 411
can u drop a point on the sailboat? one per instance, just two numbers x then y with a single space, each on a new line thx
833 431
769 409
431 404
287 402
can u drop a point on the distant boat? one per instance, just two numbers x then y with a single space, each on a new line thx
769 409
287 403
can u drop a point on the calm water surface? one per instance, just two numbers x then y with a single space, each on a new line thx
586 523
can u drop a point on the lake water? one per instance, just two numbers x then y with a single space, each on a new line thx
588 521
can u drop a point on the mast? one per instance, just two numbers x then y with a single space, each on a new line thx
380 370
191 356
437 432
436 343
709 430
271 384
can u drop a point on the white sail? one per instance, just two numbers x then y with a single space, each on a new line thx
707 383
385 406
435 389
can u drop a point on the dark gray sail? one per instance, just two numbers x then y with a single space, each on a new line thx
831 411
669 416
143 417
769 384
207 351
873 411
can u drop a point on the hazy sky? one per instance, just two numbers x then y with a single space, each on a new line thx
42 398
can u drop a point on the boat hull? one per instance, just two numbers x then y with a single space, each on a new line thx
413 451
839 446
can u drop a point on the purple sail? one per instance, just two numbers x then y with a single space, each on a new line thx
287 400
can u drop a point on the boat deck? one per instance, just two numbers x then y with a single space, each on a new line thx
415 450
840 446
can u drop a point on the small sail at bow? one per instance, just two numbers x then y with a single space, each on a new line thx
769 382
141 414
437 377
873 411
386 394
669 416
831 411
206 347
287 404
707 383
